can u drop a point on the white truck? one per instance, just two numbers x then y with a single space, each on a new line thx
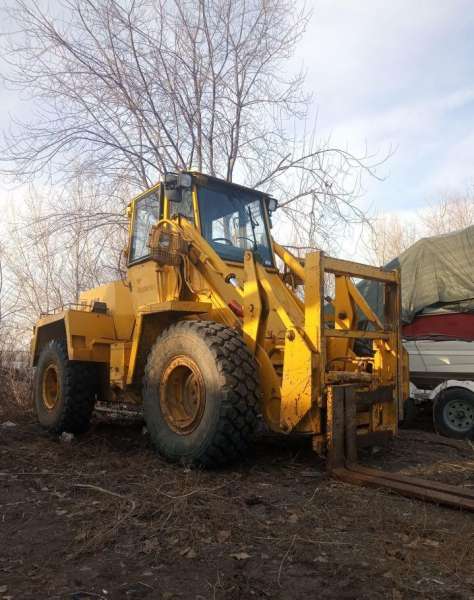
442 372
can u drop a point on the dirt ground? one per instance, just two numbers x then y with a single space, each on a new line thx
103 517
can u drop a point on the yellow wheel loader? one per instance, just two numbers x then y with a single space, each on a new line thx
216 326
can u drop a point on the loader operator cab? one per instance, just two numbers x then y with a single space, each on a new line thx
232 218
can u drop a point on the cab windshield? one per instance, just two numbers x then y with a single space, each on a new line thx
232 221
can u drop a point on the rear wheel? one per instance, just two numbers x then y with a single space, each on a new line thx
64 390
453 413
201 394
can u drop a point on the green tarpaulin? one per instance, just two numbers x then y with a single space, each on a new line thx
435 271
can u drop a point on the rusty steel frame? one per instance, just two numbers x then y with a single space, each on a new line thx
342 459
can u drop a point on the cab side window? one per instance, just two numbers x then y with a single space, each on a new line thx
185 207
147 214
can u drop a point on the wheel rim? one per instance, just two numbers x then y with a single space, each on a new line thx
182 395
459 414
50 387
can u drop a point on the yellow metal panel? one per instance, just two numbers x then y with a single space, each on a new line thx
297 383
314 299
89 335
47 319
166 312
344 313
314 318
356 333
178 306
362 304
118 299
290 260
144 283
197 216
270 389
137 333
252 303
343 307
119 361
354 269
281 300
47 327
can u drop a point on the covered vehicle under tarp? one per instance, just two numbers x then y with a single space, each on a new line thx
436 272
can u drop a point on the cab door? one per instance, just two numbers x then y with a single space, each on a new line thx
149 282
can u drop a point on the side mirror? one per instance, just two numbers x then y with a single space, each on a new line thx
172 191
175 183
272 204
185 181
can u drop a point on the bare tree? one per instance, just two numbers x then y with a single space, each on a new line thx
1 284
390 234
453 211
56 249
128 90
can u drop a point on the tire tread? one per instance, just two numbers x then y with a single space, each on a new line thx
238 411
78 390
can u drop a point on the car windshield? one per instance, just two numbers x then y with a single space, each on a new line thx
232 221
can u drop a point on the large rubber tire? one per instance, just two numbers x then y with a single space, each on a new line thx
229 377
453 413
77 385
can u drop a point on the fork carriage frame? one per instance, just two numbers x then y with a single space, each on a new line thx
319 362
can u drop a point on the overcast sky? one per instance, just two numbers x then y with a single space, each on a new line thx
397 74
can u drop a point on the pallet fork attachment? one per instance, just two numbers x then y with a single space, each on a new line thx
342 459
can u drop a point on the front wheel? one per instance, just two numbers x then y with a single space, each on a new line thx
64 390
453 413
200 394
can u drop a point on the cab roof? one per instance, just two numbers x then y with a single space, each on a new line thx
203 179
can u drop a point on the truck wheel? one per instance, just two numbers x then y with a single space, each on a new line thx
453 413
201 394
64 390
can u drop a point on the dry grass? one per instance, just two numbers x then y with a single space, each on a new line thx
16 378
274 527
